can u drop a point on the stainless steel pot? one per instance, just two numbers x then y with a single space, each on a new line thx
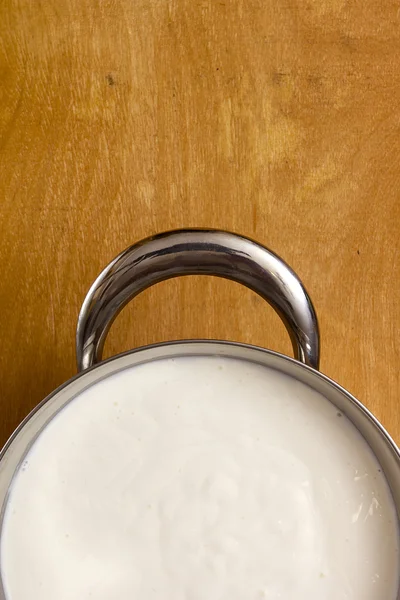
189 252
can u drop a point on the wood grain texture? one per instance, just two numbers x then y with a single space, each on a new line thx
279 120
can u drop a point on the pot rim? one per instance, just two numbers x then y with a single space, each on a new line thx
212 342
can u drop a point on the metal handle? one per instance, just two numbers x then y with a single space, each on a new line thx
196 252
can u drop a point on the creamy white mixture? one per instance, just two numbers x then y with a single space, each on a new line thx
200 479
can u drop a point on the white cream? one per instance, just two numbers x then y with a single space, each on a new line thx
200 479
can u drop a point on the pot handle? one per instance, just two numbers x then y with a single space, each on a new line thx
196 252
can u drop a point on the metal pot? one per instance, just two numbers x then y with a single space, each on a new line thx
189 252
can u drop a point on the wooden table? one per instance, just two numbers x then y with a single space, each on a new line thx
279 120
